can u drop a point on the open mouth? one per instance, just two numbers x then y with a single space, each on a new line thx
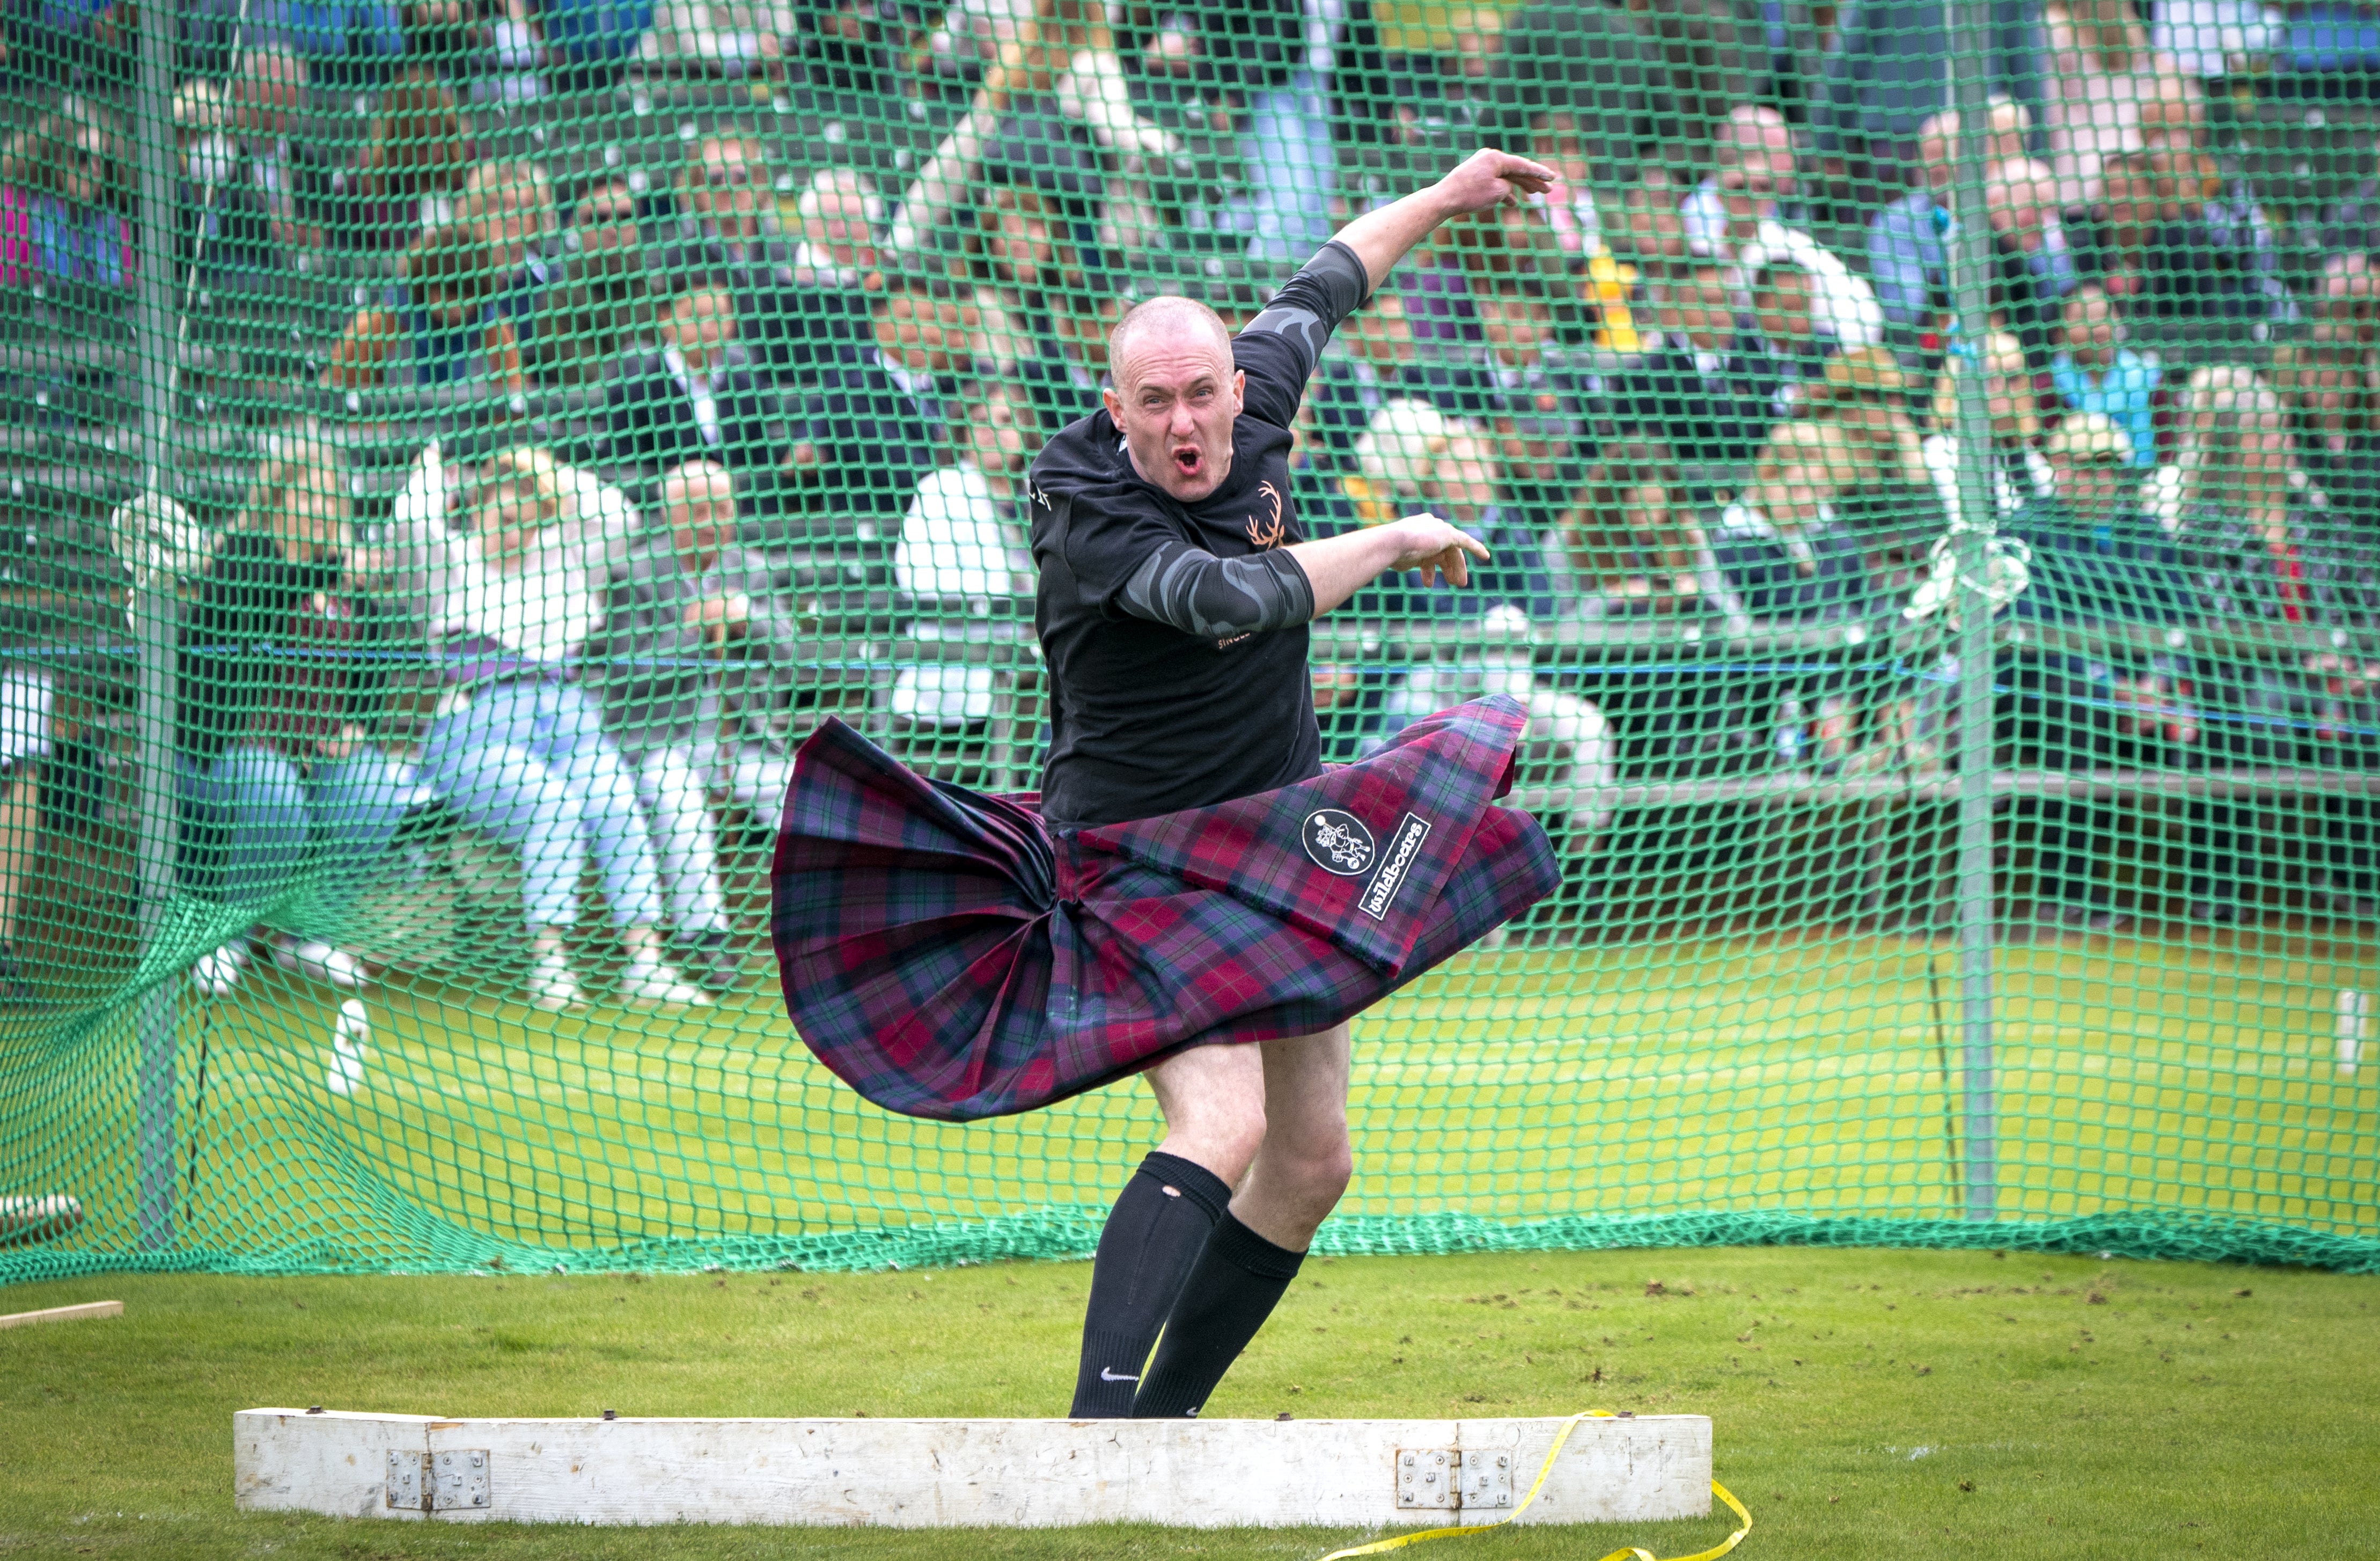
1188 459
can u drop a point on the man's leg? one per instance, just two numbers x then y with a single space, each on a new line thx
1299 1170
1213 1101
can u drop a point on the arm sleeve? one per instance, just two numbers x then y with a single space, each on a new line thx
1191 589
1280 347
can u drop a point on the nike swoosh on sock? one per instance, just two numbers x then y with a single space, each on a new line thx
1107 1375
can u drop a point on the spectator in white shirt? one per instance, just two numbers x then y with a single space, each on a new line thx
1737 215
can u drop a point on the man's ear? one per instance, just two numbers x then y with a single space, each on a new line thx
1113 402
1239 391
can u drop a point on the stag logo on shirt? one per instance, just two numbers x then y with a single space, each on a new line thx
1339 842
1272 530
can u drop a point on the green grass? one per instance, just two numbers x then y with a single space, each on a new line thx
1810 1077
1901 1405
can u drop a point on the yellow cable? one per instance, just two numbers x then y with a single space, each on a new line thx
1627 1553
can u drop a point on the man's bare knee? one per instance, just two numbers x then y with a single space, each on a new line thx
1213 1098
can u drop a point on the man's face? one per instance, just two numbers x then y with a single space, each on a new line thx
1515 326
1783 307
267 95
2170 125
1174 398
1534 447
699 325
700 509
1706 312
1760 149
841 230
2018 216
506 227
993 438
606 220
723 195
2092 485
1019 247
2090 331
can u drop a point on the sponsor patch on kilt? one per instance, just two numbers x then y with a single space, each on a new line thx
1403 846
1339 842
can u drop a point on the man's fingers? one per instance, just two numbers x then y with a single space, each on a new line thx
1454 566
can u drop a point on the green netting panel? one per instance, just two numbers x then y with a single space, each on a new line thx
1941 561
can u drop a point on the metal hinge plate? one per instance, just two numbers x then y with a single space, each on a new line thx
454 1481
1447 1480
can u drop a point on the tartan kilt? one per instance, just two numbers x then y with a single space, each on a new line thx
948 956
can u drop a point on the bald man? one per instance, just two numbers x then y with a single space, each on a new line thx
1175 590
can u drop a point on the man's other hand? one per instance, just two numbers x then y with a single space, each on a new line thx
1437 548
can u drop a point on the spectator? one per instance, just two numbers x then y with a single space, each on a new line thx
2268 559
1780 548
2097 71
1632 536
1372 360
1609 280
415 159
726 197
24 744
2330 383
254 192
1887 73
508 206
1018 263
1736 215
1570 749
1065 382
871 426
65 190
281 777
2210 39
449 332
1516 361
508 598
1786 335
2034 265
1905 253
2094 371
693 646
2021 474
734 38
603 305
2095 558
693 400
1291 162
1697 396
964 553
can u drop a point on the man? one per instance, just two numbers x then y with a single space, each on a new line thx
1175 589
2034 265
695 399
1699 395
1886 73
1739 214
869 429
1905 256
691 642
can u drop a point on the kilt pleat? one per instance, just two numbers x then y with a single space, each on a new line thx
948 956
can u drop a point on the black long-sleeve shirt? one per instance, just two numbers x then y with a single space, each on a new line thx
1176 633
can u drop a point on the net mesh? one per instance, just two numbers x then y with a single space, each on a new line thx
457 448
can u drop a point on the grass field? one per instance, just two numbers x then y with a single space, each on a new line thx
1901 1405
1818 1078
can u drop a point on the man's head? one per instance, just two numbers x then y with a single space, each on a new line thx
1018 246
271 86
1937 140
1174 394
839 212
922 322
507 203
998 429
2172 117
698 507
1381 335
1516 321
1780 302
725 188
2091 462
2087 329
2021 198
604 216
700 322
1755 152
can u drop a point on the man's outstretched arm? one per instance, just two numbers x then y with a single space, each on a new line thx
1483 181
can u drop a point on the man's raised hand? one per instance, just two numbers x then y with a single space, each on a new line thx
1489 178
1437 548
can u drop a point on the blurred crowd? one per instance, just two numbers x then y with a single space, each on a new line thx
1710 385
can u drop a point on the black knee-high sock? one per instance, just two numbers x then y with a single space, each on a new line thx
1153 1235
1233 1288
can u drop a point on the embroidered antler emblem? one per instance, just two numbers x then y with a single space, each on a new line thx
1270 534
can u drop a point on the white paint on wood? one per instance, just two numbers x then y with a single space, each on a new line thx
999 1473
63 1313
38 1214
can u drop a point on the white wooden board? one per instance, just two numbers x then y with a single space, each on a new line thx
63 1313
930 1473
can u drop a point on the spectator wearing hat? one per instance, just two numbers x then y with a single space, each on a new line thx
694 399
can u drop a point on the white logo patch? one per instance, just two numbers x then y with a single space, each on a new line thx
1403 846
1339 842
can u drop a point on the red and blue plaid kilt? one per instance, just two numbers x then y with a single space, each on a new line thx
949 956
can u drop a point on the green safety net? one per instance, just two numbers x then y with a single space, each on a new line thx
456 449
